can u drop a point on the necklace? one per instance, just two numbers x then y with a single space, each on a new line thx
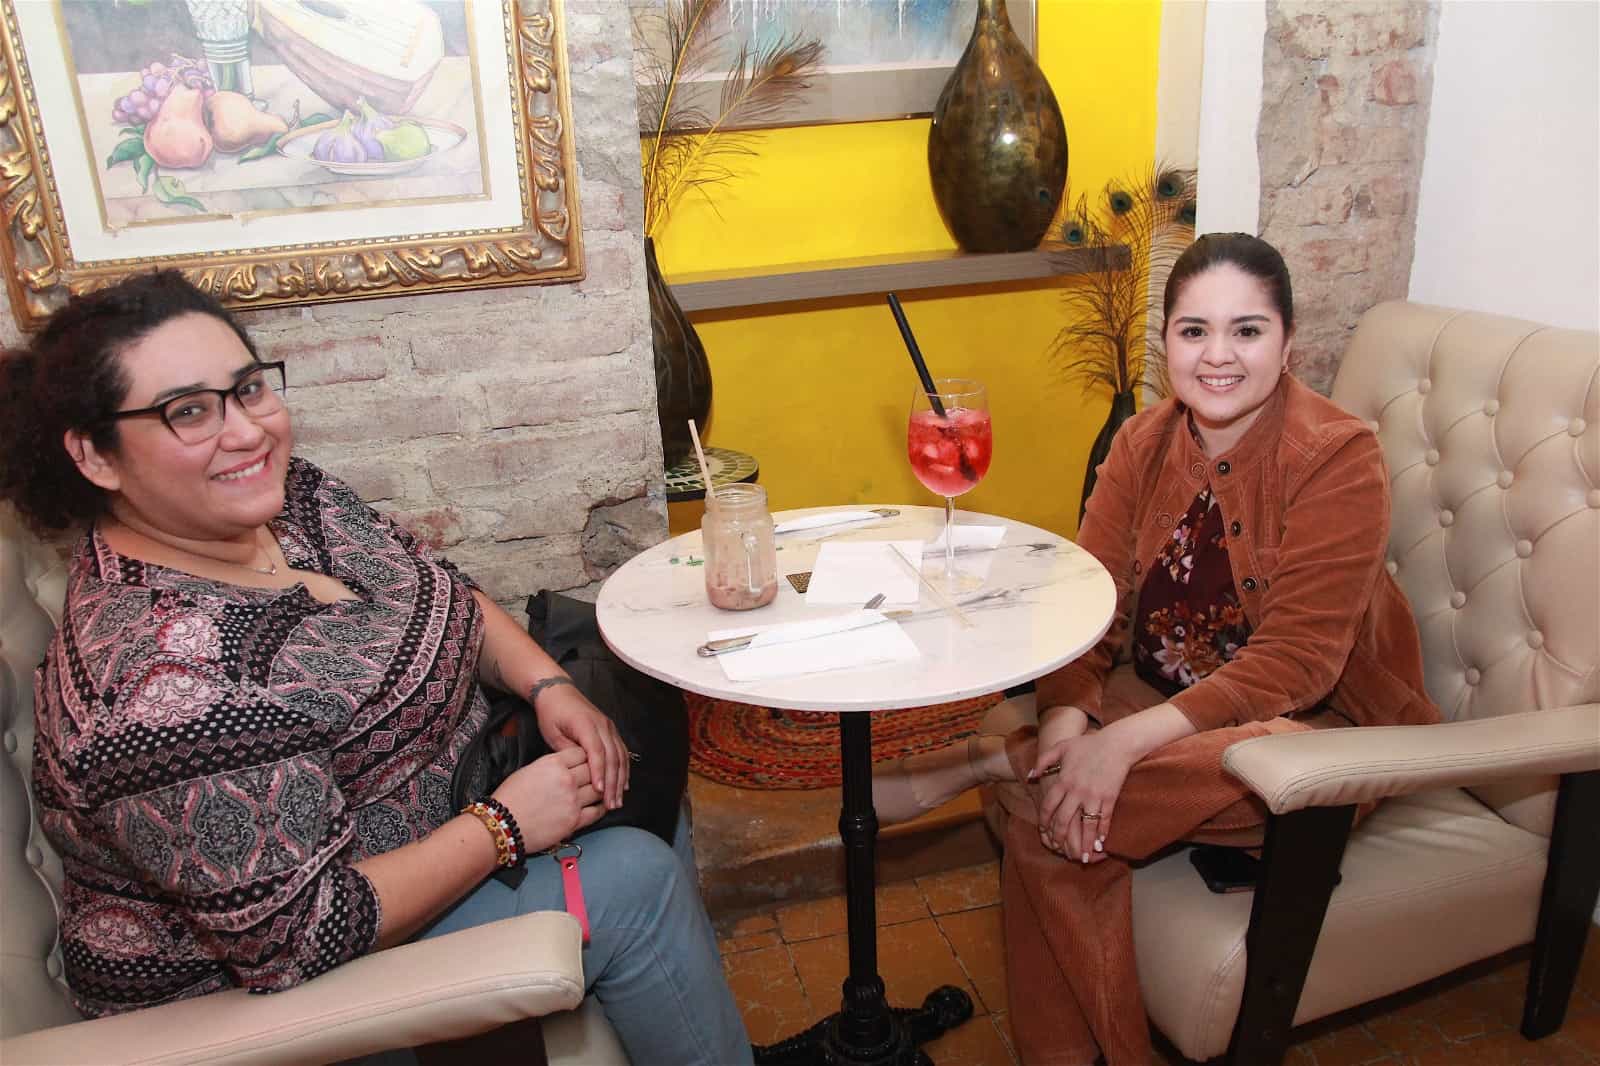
271 569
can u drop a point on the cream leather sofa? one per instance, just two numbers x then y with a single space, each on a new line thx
1491 430
437 990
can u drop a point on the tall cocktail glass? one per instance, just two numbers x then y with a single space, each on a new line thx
949 441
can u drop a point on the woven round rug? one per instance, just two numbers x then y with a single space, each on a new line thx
763 748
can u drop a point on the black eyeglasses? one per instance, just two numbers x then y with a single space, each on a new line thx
196 417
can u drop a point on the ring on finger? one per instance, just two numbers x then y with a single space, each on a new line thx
1088 816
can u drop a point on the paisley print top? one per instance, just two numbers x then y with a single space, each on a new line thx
212 759
1188 621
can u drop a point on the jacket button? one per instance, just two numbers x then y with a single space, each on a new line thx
1224 467
1197 470
1236 528
1137 566
1249 584
1163 521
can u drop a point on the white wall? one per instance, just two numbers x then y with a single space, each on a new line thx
1230 113
1507 218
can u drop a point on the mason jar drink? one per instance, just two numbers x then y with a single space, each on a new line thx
741 556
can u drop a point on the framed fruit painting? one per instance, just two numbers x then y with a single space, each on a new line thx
284 151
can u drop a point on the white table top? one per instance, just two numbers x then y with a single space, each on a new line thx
1044 602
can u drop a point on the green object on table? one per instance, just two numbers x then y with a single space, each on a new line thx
728 467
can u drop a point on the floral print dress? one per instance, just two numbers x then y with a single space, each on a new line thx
1188 620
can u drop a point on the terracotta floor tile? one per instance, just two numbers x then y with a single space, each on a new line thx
1589 967
897 902
961 890
979 942
769 993
977 1042
730 945
1351 1046
1503 1049
1002 1022
1583 1032
746 924
913 960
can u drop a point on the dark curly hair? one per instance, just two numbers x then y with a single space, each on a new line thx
1250 254
70 378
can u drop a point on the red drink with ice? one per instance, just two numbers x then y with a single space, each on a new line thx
950 453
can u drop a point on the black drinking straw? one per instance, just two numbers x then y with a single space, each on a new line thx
916 355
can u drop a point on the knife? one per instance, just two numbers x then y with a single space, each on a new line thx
837 518
727 644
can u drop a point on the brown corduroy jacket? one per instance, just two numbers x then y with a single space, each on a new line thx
1305 503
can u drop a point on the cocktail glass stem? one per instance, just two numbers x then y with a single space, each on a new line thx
949 542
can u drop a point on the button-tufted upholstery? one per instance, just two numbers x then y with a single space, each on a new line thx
1491 431
443 989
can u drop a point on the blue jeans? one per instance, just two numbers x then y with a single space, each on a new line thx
652 958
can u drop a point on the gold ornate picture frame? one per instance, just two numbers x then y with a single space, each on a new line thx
219 137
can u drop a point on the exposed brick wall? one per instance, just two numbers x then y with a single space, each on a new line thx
1344 119
515 428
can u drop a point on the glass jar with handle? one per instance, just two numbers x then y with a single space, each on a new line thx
741 555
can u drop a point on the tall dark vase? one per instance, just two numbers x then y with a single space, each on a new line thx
1121 411
997 150
683 377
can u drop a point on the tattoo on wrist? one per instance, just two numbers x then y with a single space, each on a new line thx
544 683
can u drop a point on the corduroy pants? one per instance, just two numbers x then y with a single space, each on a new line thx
1069 926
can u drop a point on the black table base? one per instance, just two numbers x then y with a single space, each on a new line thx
866 1031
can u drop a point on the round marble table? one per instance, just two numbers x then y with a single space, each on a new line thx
1043 603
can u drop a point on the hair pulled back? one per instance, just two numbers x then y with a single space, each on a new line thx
1250 254
69 377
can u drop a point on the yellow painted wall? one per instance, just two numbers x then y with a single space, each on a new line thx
819 392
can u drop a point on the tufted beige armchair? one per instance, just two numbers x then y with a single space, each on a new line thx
1489 836
434 992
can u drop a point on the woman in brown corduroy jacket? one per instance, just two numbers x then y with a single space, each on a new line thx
1245 522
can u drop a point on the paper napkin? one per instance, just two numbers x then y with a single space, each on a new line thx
841 642
853 571
969 538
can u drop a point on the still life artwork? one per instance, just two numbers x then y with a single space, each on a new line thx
374 144
231 107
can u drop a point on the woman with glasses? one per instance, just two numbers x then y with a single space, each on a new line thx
252 707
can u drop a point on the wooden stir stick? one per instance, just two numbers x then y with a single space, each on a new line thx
705 471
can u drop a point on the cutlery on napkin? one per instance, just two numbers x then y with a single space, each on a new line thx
840 642
832 518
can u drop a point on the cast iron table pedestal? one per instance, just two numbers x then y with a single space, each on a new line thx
866 1031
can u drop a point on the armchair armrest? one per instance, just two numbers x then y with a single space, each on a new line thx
439 989
1334 767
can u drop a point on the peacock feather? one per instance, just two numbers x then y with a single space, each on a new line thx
1112 339
688 147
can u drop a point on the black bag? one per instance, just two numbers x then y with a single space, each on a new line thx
648 713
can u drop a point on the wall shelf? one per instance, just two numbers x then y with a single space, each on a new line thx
711 290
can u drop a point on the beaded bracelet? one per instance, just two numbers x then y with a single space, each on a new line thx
497 818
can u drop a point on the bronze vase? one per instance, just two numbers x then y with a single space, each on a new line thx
683 376
997 151
1122 408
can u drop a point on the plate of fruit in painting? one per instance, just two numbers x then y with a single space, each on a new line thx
367 143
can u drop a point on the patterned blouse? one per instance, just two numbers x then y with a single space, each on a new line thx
1188 621
211 759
